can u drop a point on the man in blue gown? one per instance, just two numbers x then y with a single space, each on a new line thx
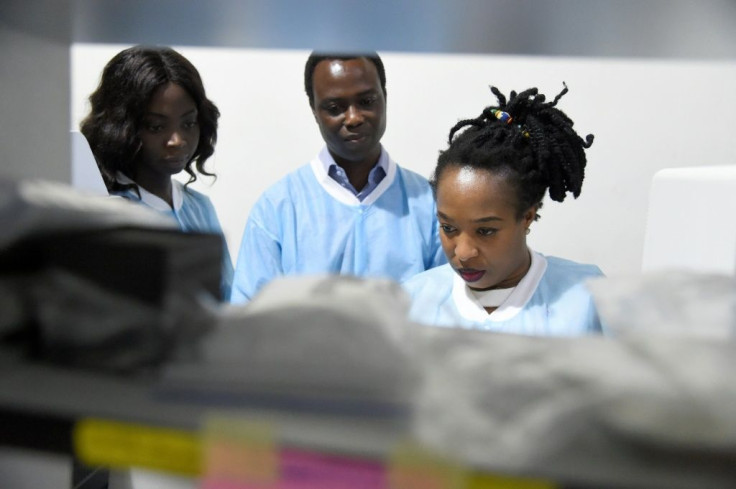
351 210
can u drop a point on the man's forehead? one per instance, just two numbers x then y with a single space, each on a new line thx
344 74
336 67
333 64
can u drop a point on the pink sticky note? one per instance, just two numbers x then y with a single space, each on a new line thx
310 470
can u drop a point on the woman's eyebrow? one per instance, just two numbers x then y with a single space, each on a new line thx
162 116
488 219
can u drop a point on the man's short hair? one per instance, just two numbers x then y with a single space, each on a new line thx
315 58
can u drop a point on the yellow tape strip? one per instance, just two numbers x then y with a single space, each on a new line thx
118 445
411 466
490 481
240 450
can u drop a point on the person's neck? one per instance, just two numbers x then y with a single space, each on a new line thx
513 279
358 171
158 185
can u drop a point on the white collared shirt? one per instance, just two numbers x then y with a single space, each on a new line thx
551 299
469 307
321 167
154 201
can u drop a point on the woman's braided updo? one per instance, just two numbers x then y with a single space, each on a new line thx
527 140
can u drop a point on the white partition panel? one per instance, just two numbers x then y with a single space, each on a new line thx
691 223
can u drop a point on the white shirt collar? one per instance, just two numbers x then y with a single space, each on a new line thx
154 201
471 310
321 164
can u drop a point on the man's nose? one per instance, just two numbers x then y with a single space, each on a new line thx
353 116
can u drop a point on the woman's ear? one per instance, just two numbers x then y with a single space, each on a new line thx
530 215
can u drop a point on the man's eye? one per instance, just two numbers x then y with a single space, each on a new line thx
446 228
368 101
333 109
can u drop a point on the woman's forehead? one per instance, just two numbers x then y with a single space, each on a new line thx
466 176
464 189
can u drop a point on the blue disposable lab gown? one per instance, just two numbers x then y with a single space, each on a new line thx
193 211
551 300
307 223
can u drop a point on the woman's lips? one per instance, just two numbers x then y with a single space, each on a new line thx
176 161
470 274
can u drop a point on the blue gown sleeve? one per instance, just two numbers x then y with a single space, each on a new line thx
596 323
577 315
212 224
227 273
437 256
259 258
198 214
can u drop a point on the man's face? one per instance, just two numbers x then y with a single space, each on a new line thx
350 109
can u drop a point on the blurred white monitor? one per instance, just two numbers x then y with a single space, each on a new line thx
691 224
85 174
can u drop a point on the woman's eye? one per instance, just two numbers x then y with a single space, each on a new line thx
154 127
446 228
190 124
487 231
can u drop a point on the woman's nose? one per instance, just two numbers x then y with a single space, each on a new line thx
465 249
175 139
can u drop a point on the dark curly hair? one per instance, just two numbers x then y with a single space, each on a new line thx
527 140
315 58
118 104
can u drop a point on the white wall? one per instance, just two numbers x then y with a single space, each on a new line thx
645 114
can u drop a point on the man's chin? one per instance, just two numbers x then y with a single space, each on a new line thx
356 155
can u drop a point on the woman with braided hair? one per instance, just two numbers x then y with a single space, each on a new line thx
489 185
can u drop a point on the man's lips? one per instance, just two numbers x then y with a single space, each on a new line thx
471 274
355 138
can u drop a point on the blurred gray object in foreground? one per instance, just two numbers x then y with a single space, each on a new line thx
99 282
676 304
634 411
644 412
330 339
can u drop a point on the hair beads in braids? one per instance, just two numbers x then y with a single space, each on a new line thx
525 139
